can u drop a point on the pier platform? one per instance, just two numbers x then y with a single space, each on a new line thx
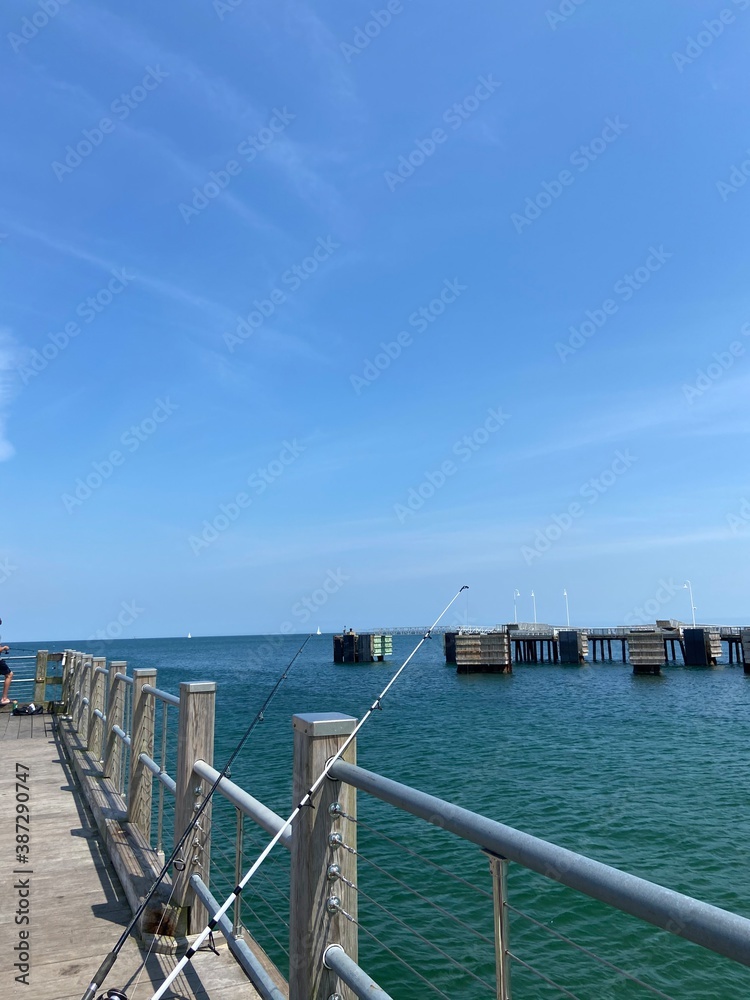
77 908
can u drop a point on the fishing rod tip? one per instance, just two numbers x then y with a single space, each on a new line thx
465 587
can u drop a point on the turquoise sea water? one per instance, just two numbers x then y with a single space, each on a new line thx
649 774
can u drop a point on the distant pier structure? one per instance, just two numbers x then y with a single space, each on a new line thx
647 648
365 647
479 652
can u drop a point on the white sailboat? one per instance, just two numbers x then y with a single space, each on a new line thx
319 632
189 636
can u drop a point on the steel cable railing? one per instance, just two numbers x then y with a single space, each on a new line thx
586 951
415 854
467 931
420 937
260 904
545 979
402 961
425 899
384 869
165 738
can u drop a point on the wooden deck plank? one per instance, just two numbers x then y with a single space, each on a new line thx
78 907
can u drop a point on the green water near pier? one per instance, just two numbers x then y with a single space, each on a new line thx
648 774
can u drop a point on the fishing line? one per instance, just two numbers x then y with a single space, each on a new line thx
104 969
304 801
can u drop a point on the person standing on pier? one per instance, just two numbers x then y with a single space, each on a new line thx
6 673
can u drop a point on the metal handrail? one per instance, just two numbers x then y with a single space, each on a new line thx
719 930
121 734
124 678
169 783
251 966
266 818
170 699
336 959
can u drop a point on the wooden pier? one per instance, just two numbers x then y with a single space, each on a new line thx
647 648
361 647
91 856
77 907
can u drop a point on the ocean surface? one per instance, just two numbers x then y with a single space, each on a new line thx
649 774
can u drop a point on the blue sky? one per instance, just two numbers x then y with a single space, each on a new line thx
311 316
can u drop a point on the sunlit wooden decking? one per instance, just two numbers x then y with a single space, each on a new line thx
77 906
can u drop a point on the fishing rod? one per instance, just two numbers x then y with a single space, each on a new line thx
304 801
104 969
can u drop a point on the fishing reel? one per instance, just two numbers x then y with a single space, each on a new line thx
113 995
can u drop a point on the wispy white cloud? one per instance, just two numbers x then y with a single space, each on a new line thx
721 411
323 45
296 162
161 286
10 358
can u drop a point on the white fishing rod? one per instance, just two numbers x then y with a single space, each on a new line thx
304 801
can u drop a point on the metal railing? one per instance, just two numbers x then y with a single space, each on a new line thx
708 926
719 930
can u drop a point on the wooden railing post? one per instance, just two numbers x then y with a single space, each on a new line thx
313 926
95 736
88 679
195 741
115 717
40 676
74 709
67 673
141 741
83 693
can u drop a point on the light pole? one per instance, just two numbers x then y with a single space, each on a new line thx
533 598
690 591
567 608
516 593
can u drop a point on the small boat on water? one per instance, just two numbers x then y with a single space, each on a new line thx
189 636
319 632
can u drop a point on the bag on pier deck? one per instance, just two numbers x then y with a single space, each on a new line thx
28 708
